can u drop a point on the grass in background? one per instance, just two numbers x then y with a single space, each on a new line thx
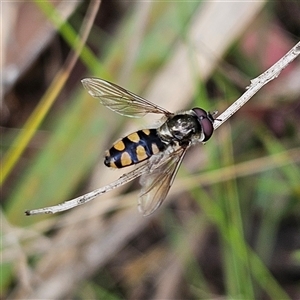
77 138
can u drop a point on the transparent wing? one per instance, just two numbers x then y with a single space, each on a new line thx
120 100
157 182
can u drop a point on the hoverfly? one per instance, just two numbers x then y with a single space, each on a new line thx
157 151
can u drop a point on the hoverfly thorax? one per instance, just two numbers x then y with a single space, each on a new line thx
180 128
189 127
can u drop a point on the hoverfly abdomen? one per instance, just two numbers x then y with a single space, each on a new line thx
134 148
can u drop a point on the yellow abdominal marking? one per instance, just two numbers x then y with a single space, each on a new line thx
112 164
134 137
119 145
141 153
154 148
146 131
125 159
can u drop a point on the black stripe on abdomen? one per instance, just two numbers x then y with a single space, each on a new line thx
134 148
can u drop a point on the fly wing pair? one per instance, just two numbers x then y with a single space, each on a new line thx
161 169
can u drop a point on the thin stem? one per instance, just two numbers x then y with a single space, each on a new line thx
257 83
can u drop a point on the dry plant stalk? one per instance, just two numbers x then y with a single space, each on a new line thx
256 84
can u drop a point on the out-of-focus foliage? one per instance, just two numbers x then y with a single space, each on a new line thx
229 227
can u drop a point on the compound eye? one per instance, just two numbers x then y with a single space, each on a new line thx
200 113
207 127
206 121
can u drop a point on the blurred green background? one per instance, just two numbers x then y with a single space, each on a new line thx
230 225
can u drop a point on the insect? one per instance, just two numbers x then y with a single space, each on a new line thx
157 152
